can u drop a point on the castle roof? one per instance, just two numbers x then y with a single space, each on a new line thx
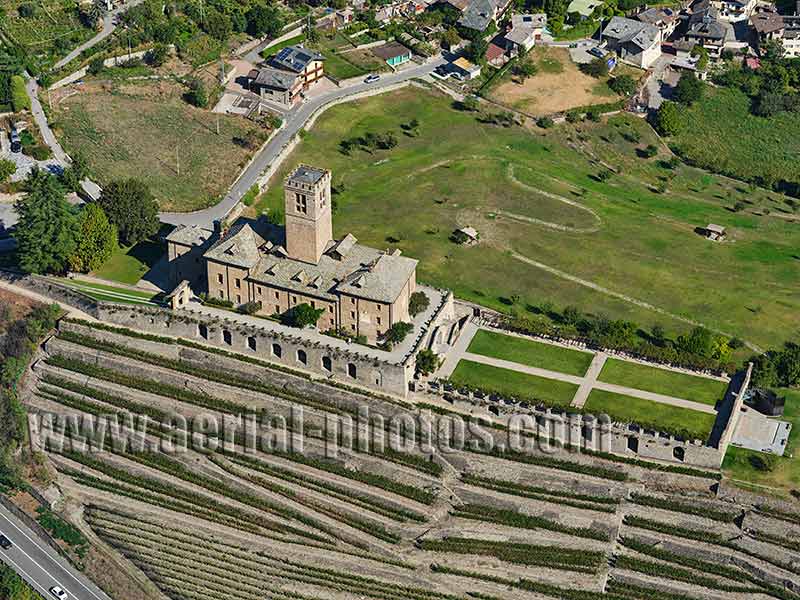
189 235
306 174
239 247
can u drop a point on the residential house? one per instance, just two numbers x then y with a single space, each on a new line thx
287 75
707 30
393 53
791 37
478 14
734 11
714 232
360 290
525 31
771 26
496 55
634 42
466 68
666 19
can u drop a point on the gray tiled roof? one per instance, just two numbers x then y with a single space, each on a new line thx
274 78
478 15
705 24
654 16
626 30
190 235
295 58
306 174
238 247
524 26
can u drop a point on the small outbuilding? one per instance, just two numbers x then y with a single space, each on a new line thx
466 236
715 233
466 68
394 53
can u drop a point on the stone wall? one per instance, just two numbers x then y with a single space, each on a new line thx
316 358
587 431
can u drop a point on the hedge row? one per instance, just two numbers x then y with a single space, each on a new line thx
554 557
331 489
554 463
630 591
608 504
656 569
778 540
516 519
537 587
705 566
670 504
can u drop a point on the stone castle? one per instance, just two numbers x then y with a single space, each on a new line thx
362 291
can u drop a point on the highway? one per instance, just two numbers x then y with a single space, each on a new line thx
41 566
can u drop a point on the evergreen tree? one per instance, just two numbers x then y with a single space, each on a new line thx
46 230
131 206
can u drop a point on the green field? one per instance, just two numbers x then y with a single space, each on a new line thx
684 422
512 185
529 352
128 265
744 146
661 381
110 293
510 383
146 130
785 474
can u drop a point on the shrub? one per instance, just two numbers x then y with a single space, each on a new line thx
397 333
624 85
545 122
301 316
249 308
596 68
650 151
763 462
427 362
96 66
418 303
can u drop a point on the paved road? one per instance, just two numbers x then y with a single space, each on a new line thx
293 122
40 565
109 26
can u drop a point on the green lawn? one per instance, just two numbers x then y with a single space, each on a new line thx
110 293
510 383
745 146
684 422
511 184
661 381
529 352
128 265
785 475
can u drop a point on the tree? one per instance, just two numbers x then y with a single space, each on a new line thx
301 316
470 103
596 68
699 342
197 94
77 171
7 169
450 38
624 85
418 302
46 230
96 241
130 206
96 65
650 151
689 89
476 51
524 70
218 25
397 333
668 119
702 56
157 55
427 362
264 20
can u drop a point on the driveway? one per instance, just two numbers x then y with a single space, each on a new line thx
293 122
659 83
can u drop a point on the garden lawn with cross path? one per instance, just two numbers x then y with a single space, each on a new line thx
664 382
511 383
530 352
621 231
684 422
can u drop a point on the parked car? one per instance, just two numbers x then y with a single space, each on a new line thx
457 76
59 593
598 52
5 543
372 78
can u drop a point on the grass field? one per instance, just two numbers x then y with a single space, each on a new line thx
110 293
661 381
529 352
148 131
128 265
510 383
546 219
786 472
745 146
558 86
649 414
352 63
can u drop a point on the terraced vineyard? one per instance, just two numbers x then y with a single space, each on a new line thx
227 518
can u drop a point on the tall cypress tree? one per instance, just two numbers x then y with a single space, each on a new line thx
46 231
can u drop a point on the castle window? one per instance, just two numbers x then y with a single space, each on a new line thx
326 363
300 203
251 343
277 294
277 308
378 307
277 351
678 453
226 337
238 283
202 329
313 304
378 321
294 299
258 290
351 370
352 314
238 299
330 309
301 357
221 294
219 278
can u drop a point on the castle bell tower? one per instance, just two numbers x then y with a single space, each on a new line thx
307 194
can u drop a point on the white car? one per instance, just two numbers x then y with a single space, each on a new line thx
372 78
59 593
